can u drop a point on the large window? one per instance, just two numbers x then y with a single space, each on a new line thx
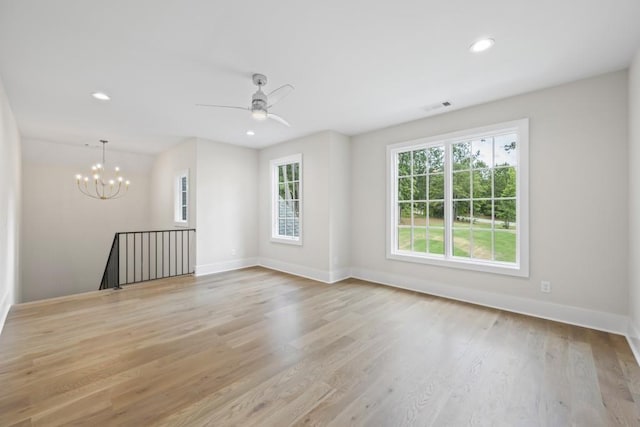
460 200
181 209
286 188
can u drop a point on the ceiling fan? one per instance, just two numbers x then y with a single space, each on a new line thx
262 102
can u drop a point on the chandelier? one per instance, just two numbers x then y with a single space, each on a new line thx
100 186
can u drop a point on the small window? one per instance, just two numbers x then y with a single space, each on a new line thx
182 199
461 200
286 189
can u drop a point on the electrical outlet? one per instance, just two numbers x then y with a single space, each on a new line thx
545 287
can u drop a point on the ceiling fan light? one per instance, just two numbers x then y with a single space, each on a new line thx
259 115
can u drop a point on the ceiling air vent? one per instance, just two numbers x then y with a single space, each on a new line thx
437 106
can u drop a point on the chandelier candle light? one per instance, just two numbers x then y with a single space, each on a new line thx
98 185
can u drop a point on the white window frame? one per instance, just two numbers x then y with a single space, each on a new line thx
177 215
521 266
274 165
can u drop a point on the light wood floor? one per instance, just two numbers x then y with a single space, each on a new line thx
257 347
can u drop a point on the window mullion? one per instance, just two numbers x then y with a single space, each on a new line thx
448 196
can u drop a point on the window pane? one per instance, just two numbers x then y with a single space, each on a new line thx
461 185
404 164
291 190
289 210
184 213
482 214
404 213
420 162
482 244
436 187
184 198
481 183
461 155
290 228
436 240
482 153
461 214
504 182
420 214
461 242
404 238
505 214
420 187
296 171
289 172
404 188
282 209
436 214
281 173
184 183
436 159
419 239
296 227
281 192
281 227
505 146
505 245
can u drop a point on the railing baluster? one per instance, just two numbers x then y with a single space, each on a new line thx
111 277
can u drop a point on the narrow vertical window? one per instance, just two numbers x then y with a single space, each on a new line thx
181 216
286 189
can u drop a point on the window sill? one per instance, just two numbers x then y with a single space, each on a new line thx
462 264
287 241
181 224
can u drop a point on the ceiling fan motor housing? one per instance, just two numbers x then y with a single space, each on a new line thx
259 100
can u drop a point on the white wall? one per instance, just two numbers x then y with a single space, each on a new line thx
9 208
339 206
634 202
67 236
226 192
166 166
324 253
578 204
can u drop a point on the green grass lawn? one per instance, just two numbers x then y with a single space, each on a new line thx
467 242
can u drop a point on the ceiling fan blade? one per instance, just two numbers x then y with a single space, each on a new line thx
223 106
278 119
279 94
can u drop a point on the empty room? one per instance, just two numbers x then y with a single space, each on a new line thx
337 213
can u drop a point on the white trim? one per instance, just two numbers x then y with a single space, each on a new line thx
296 269
599 320
633 338
5 306
273 166
219 267
339 275
521 267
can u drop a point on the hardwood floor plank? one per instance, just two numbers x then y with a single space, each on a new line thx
256 347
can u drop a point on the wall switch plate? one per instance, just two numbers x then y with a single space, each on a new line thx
545 287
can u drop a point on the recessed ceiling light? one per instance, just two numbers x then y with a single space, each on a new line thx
250 133
482 45
101 96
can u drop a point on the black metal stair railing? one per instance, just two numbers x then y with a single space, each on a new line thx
140 256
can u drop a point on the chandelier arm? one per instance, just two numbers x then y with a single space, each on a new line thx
86 193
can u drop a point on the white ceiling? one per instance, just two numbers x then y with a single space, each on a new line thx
357 65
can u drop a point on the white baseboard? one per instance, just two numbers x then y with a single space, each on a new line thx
633 338
296 269
5 306
572 315
338 275
219 267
